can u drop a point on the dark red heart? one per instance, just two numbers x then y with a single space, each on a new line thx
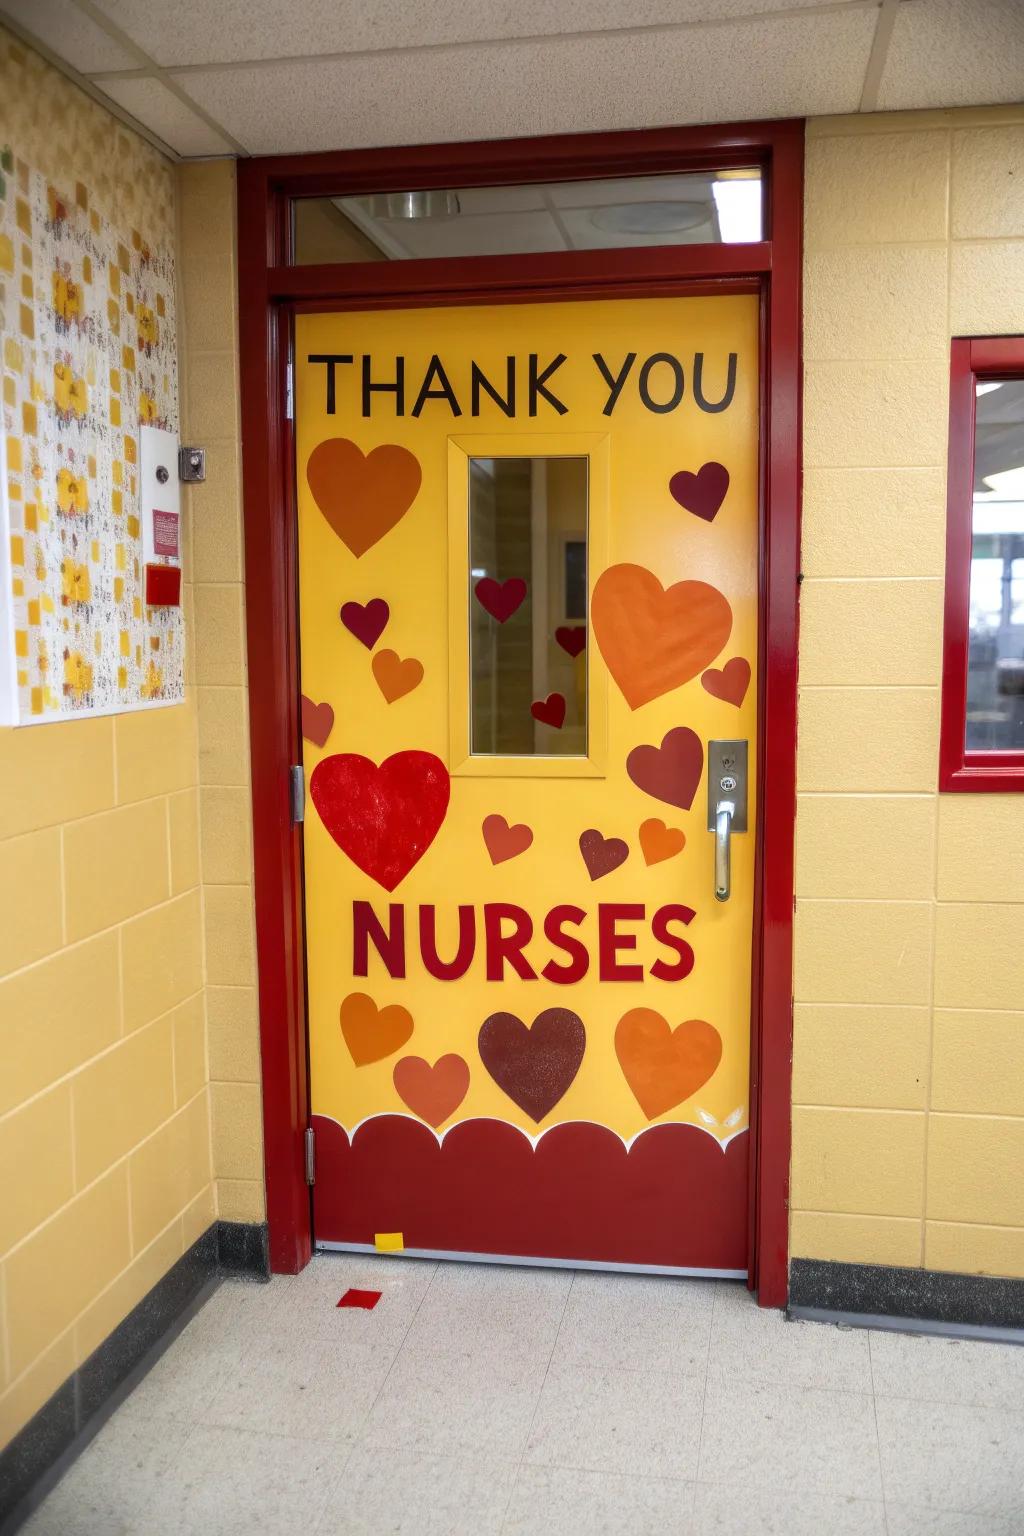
571 637
701 493
534 1066
602 854
549 711
500 598
672 771
384 818
729 682
367 621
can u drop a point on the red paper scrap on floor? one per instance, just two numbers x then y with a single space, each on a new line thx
367 1299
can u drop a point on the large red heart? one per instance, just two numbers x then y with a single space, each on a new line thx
432 1092
500 598
602 854
654 638
729 682
362 496
534 1066
701 493
672 771
384 818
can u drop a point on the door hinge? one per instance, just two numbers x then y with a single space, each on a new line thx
297 788
289 392
310 1155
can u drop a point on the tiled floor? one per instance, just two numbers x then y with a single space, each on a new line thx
474 1400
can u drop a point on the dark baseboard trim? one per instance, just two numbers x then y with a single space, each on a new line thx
922 1295
41 1452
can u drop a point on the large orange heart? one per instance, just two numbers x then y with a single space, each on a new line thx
362 495
372 1033
655 639
664 1066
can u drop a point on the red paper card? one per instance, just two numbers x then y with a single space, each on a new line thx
365 1299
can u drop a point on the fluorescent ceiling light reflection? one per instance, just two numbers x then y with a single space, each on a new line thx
986 389
739 210
1007 483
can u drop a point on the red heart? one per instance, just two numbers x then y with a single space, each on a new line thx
505 842
317 721
602 854
701 493
500 598
571 637
432 1092
535 1066
383 818
729 682
366 621
549 711
672 771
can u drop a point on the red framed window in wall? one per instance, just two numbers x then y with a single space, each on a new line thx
982 742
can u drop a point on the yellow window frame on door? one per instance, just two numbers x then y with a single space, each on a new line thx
594 447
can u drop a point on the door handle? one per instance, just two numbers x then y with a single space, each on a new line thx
727 806
725 810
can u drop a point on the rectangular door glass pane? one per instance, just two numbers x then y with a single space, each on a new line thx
528 607
995 677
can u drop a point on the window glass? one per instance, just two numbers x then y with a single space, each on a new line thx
527 607
995 677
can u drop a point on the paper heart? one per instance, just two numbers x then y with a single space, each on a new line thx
571 637
504 841
372 1033
395 677
432 1092
602 854
549 711
317 721
672 771
362 496
729 682
500 598
655 639
367 621
658 842
701 493
384 818
664 1066
534 1066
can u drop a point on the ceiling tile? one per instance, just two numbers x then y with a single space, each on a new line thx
170 119
70 34
954 53
792 65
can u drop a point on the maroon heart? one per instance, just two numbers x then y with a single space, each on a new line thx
367 621
500 598
701 493
571 637
317 721
534 1066
602 854
672 771
549 711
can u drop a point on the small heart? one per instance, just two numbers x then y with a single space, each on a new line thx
701 493
658 842
729 682
372 1033
500 598
317 721
571 637
672 771
534 1065
432 1092
602 854
362 496
395 677
504 841
549 711
366 621
664 1066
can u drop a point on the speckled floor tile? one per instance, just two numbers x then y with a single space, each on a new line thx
603 1420
563 1501
731 1511
951 1457
759 1344
405 1493
637 1322
947 1370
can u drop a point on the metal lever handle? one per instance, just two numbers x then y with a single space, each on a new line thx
725 810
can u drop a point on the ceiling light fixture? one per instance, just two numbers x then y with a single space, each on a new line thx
738 203
650 218
430 203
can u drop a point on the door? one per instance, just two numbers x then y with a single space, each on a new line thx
528 603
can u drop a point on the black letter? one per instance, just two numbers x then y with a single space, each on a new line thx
397 388
537 384
614 385
330 358
444 390
479 378
730 387
645 374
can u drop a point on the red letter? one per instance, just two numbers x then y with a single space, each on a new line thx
447 970
579 962
659 927
390 946
500 948
609 942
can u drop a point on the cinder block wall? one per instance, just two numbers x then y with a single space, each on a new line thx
908 1086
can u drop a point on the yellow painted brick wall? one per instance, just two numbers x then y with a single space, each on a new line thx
908 1083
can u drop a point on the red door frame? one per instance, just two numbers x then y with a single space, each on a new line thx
269 293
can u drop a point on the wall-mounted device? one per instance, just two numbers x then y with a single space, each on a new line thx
727 805
160 507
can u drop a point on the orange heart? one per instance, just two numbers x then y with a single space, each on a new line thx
664 1066
659 842
362 495
371 1033
432 1092
654 638
394 676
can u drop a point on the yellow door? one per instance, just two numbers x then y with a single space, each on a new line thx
528 598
